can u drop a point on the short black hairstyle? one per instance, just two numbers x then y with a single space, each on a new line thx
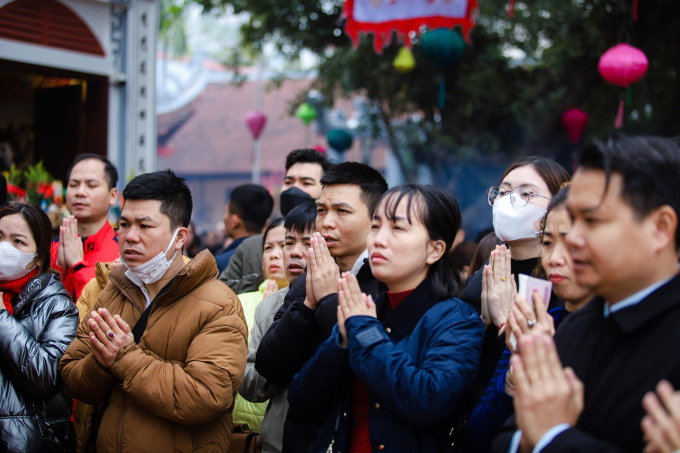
273 224
110 172
252 204
371 182
301 218
650 167
307 155
168 188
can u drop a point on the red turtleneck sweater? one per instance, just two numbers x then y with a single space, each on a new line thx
360 439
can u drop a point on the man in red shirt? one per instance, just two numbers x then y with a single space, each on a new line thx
86 236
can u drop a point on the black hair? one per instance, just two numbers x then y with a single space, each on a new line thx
301 218
559 200
371 182
483 234
650 167
486 245
110 172
307 156
550 171
273 224
439 213
462 255
171 190
252 204
40 226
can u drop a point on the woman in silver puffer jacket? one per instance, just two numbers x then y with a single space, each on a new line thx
38 321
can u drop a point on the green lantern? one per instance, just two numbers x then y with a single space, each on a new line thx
444 47
339 140
306 112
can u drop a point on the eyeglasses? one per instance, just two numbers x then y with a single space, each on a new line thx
521 198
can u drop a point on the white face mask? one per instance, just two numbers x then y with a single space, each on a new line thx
13 262
154 269
513 224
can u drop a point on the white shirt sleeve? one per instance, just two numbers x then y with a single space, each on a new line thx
548 437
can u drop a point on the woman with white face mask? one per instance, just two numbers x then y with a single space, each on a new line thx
38 321
519 204
555 265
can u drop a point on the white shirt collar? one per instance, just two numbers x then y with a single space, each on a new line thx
635 298
359 262
137 281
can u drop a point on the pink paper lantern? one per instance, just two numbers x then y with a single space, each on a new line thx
574 121
256 121
623 65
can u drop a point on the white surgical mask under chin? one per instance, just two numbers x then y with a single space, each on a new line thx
513 224
13 262
154 269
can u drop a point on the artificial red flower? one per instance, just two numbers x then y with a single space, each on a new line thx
19 192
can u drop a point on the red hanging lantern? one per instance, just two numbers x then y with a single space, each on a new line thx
574 121
622 65
256 121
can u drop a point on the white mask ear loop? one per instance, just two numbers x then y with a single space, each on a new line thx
172 241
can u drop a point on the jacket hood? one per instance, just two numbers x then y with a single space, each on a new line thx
196 272
101 273
41 287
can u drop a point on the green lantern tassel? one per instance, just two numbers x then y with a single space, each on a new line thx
442 93
629 96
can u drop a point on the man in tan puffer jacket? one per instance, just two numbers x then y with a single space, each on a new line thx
86 414
168 383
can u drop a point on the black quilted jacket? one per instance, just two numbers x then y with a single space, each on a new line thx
34 408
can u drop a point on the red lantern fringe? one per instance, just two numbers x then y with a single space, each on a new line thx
382 31
511 8
635 10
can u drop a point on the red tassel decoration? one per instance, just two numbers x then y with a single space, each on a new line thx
511 8
635 10
618 123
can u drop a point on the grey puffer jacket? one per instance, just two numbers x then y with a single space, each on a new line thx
34 407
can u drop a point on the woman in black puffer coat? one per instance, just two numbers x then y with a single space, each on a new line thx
38 321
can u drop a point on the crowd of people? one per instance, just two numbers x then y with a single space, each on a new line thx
349 317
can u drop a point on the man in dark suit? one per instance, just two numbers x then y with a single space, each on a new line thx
624 202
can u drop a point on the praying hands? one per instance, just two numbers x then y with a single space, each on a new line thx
108 335
322 272
661 425
498 287
546 394
352 302
70 250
